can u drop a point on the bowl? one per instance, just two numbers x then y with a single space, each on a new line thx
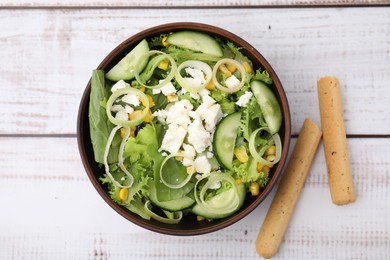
189 225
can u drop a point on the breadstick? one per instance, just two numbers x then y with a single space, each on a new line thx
283 204
335 141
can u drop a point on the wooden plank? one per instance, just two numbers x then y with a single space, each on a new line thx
50 210
189 3
47 57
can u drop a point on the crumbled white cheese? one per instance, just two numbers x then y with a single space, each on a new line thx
189 154
232 82
131 99
161 115
198 136
129 109
244 99
122 115
202 164
213 116
117 108
120 84
178 113
167 89
197 76
173 138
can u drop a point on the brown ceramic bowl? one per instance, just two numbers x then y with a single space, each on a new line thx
189 225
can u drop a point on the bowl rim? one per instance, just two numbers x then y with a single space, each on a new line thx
220 33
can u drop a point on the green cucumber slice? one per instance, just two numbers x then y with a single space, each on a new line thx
200 211
124 69
269 105
225 138
195 41
171 205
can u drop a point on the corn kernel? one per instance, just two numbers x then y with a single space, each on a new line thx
123 194
150 99
199 218
211 85
238 181
247 67
163 64
164 42
135 114
172 97
149 117
190 169
143 88
265 169
254 188
132 131
271 150
270 158
259 166
179 158
231 67
240 153
225 71
123 132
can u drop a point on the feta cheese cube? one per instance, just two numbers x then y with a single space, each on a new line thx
173 138
213 116
198 136
131 99
178 113
202 164
122 115
161 115
244 99
117 108
120 84
232 82
190 153
197 76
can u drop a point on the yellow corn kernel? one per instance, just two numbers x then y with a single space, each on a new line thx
164 42
271 150
163 64
238 181
231 67
211 85
259 166
132 131
199 218
247 67
149 117
265 169
254 188
179 158
270 158
123 194
172 97
150 99
143 88
225 71
240 153
190 169
123 132
135 114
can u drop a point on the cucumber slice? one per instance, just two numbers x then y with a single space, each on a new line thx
171 205
268 104
199 211
225 138
124 69
195 41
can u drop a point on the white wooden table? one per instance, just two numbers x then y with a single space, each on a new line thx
48 207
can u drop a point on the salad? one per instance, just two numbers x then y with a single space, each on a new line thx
184 124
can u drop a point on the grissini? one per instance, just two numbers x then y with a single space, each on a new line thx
335 142
283 204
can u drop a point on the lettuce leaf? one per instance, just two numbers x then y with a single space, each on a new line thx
99 125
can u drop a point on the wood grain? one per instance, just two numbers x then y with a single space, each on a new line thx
187 3
44 193
47 56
